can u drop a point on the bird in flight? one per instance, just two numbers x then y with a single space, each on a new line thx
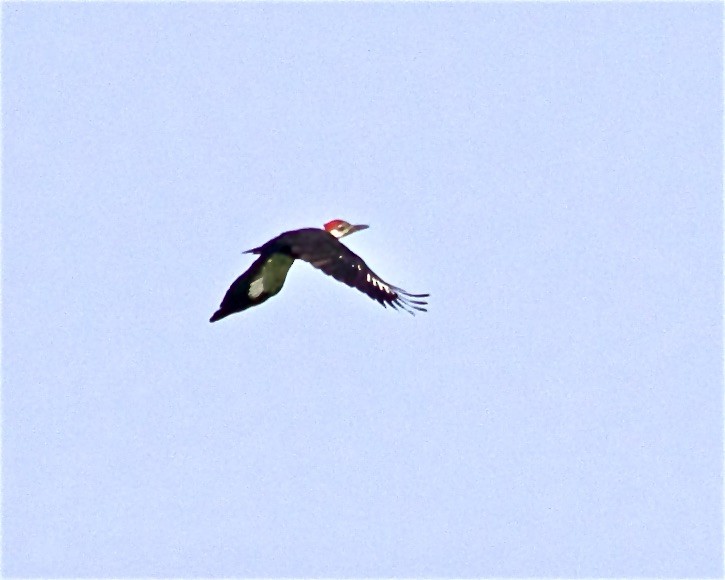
322 249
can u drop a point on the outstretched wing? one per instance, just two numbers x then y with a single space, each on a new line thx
260 282
336 260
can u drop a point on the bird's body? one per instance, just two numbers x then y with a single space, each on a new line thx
322 249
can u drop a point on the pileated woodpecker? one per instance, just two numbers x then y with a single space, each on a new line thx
321 248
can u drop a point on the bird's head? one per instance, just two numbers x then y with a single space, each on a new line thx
340 228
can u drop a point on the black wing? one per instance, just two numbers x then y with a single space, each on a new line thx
336 260
261 281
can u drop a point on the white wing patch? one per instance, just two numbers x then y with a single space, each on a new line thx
379 284
256 287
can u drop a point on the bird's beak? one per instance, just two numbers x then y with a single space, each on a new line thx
354 229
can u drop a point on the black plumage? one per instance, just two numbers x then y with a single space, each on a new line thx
324 251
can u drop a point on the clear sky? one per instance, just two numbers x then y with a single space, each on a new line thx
550 173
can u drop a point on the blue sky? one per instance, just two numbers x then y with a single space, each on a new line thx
550 173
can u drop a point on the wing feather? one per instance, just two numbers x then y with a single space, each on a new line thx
337 260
